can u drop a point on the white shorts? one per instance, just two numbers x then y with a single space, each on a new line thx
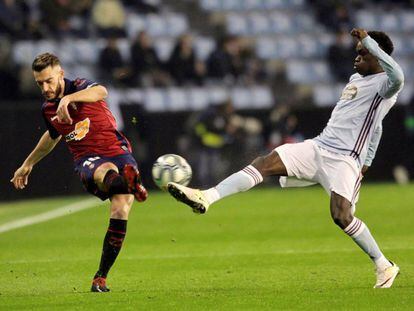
306 164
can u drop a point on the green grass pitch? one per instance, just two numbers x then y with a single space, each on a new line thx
267 249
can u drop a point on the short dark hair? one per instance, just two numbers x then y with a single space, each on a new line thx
383 41
44 60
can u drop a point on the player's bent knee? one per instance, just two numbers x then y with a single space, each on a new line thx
101 171
270 164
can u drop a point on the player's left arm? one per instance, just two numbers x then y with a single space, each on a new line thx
372 148
394 72
91 94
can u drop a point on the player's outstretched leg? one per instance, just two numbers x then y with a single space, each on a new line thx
341 212
200 201
243 180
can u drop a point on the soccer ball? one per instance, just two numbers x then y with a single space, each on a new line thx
171 168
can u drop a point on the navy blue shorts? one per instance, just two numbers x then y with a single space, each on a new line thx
86 167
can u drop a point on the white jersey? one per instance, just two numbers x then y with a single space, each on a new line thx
355 125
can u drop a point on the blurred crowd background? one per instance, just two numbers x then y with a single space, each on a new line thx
216 81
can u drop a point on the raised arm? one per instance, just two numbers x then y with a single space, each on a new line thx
394 72
45 145
92 94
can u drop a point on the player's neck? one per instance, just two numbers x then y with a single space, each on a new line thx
374 72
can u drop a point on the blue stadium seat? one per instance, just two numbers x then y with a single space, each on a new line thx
176 24
312 72
154 100
281 23
231 5
266 48
156 25
258 24
203 46
164 47
198 98
366 19
237 24
241 98
86 51
407 20
134 24
211 5
388 22
327 94
217 94
262 97
176 99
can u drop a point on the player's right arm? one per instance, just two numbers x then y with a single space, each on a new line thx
395 75
45 145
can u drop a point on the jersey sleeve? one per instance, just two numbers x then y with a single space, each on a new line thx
395 75
373 145
82 84
51 129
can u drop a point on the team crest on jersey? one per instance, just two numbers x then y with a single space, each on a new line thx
81 129
349 92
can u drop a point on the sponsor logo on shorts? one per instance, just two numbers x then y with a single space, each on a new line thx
81 129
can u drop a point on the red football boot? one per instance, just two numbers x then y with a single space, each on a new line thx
133 179
99 285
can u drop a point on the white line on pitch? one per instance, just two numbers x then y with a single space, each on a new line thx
59 212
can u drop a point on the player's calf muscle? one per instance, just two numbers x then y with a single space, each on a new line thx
121 205
341 210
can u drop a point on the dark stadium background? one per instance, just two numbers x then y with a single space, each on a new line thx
284 47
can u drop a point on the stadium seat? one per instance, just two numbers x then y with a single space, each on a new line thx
280 23
258 24
86 51
211 5
154 100
366 19
407 20
327 94
176 99
241 98
203 46
237 24
176 24
217 95
198 98
262 97
133 96
231 5
164 47
134 24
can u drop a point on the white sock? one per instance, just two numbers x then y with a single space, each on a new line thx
360 233
238 182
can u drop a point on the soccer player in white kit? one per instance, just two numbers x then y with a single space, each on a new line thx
338 157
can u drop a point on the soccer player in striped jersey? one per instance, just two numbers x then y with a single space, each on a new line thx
76 111
338 157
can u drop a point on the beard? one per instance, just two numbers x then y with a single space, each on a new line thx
54 94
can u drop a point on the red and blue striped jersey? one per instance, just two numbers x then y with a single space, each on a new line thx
93 131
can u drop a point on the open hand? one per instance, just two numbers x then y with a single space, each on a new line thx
21 177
